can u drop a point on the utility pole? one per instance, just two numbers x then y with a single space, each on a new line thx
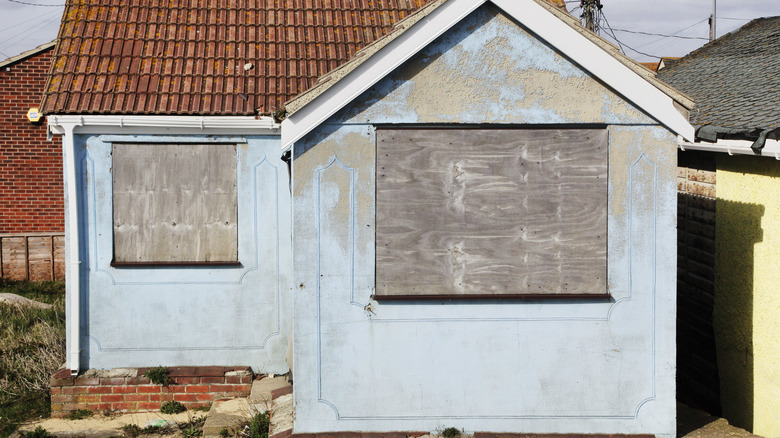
590 12
713 21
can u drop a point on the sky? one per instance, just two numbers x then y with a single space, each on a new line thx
26 24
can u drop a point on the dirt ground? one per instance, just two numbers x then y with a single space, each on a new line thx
691 423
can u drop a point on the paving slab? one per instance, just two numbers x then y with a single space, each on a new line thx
261 396
227 415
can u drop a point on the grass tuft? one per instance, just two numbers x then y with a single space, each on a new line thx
32 348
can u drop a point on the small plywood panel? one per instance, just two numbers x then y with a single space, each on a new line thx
491 212
175 203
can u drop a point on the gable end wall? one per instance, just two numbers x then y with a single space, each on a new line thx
502 366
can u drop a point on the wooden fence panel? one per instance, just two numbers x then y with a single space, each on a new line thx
34 257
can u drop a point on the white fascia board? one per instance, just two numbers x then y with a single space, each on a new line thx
101 124
375 68
599 63
733 147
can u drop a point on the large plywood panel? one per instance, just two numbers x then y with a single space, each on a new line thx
484 212
174 203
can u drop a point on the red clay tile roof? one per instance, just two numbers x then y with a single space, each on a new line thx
206 57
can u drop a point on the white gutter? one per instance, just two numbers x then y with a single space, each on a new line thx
733 147
164 124
69 125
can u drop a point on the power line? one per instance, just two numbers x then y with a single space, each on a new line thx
626 45
36 18
660 34
33 4
613 33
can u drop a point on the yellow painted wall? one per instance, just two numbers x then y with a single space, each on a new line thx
747 291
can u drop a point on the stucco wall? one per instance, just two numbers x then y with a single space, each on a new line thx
196 315
747 302
526 366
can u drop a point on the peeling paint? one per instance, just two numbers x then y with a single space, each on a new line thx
491 70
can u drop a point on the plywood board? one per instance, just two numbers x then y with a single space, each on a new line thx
174 203
484 212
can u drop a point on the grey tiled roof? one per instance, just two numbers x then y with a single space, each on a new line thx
734 80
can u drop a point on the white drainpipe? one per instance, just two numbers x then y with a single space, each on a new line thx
74 239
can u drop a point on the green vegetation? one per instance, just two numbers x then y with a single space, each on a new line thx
192 428
172 407
260 425
450 432
39 432
133 430
32 347
159 375
80 414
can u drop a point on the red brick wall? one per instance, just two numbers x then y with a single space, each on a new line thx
31 193
129 391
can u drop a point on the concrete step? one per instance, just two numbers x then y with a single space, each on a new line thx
227 415
232 415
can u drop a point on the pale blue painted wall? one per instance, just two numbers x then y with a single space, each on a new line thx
189 315
524 366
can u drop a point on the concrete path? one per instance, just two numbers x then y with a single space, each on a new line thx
275 394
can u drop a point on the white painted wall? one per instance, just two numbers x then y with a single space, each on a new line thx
522 366
195 315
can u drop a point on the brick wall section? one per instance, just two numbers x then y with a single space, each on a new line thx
697 371
31 193
192 386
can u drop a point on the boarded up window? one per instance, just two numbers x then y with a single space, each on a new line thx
175 203
491 212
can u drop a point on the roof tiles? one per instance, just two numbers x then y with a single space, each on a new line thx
216 57
735 80
207 57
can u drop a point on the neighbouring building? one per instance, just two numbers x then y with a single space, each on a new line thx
462 218
730 196
31 195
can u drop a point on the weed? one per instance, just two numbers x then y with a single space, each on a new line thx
159 375
202 408
260 425
39 432
224 433
131 430
172 407
192 428
80 414
450 432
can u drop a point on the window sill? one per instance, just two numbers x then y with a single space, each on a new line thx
170 264
499 297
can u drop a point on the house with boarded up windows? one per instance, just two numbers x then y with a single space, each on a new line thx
468 222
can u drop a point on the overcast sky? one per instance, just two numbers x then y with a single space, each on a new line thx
26 24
